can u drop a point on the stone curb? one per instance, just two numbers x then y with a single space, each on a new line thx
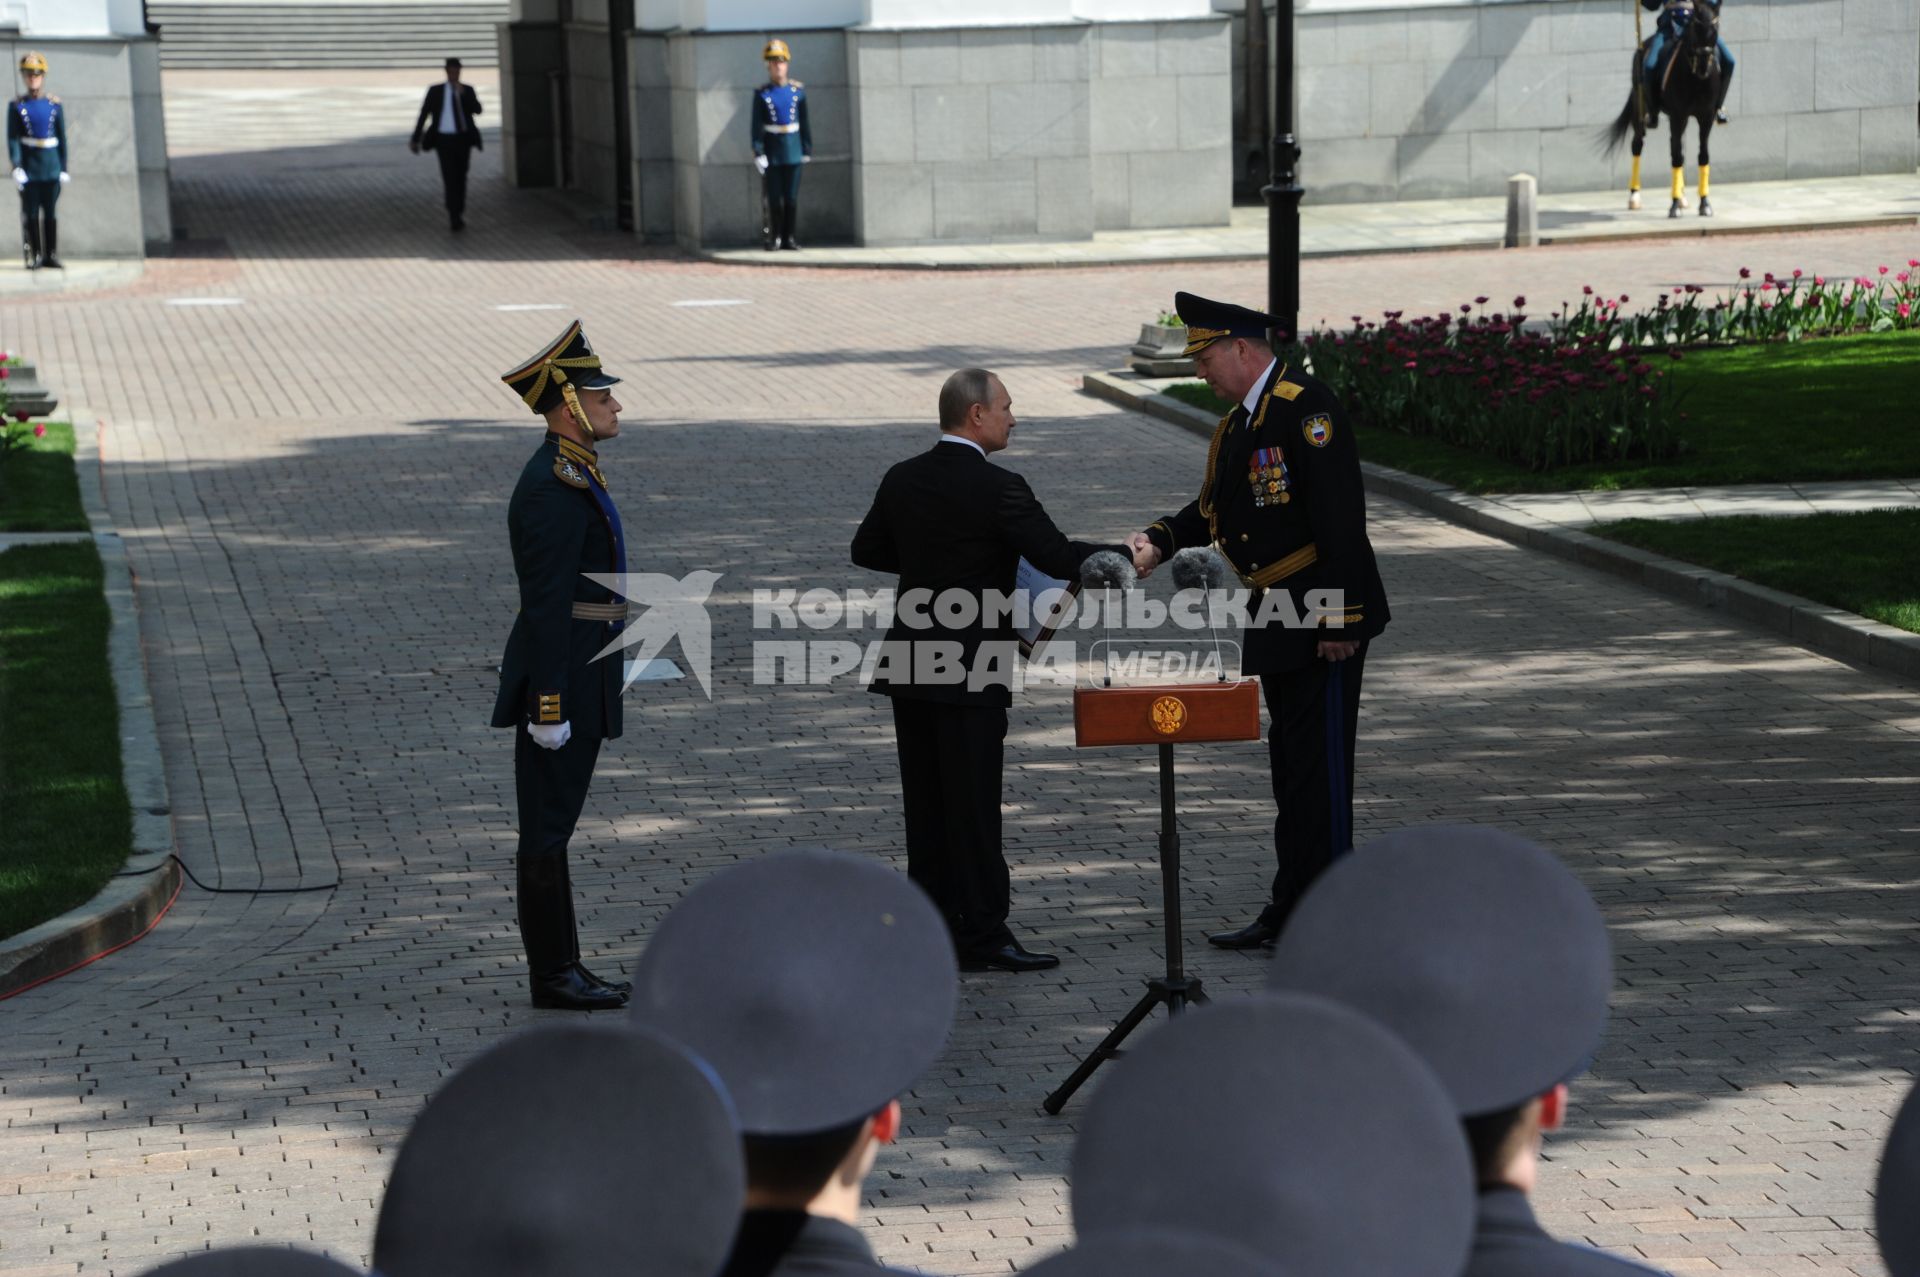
128 906
1829 630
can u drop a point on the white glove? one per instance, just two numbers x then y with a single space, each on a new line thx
65 178
550 735
759 162
806 159
19 177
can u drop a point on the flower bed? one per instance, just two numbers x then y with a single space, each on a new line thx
1778 308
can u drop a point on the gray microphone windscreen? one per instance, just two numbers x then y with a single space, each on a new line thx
1106 570
1198 566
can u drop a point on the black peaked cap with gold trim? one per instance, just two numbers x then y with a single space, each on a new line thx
1209 321
567 361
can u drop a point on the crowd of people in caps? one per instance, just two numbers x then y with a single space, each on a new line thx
1380 1109
1377 1111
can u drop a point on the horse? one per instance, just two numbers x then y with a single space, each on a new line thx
1689 89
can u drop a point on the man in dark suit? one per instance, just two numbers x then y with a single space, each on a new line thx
1283 502
446 127
948 520
561 699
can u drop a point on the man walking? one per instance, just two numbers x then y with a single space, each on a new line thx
955 525
446 127
558 697
1283 502
37 145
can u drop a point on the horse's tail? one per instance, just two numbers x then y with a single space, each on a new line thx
1611 137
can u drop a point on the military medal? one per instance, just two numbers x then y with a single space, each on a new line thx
1267 472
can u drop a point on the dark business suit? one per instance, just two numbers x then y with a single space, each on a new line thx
1508 1242
455 152
782 1243
949 519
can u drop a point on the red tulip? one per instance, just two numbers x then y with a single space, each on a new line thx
40 431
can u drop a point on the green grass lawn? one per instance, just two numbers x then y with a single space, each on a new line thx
1867 562
68 827
1826 408
39 491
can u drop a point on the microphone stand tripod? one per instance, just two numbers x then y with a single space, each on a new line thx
1175 989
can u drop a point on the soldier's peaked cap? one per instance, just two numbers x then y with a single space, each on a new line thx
818 984
1896 1205
254 1261
569 359
568 1151
1209 321
1290 1126
1476 946
1157 1253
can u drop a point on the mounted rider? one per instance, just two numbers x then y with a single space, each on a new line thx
1674 15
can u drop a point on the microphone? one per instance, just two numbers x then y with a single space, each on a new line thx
1107 570
1201 567
1198 566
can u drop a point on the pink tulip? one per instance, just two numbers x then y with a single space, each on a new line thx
40 431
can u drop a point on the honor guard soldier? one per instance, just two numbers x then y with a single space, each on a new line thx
1290 1127
567 1151
37 145
1485 955
782 142
1282 500
819 986
561 699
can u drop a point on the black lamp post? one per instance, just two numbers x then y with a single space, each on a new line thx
1283 191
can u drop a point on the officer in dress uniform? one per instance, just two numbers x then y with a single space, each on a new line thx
1289 1126
561 700
819 986
37 145
1282 500
1480 951
567 1151
1665 31
782 142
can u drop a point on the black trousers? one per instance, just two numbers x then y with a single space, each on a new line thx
950 759
455 157
550 786
1314 717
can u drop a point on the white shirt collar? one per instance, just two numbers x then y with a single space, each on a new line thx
1252 402
947 438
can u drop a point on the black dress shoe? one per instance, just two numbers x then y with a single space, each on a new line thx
1258 934
572 989
618 986
1008 957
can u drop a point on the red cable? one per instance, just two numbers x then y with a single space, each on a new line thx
178 886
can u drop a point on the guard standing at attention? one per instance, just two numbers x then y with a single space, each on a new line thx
561 699
782 142
37 145
1283 503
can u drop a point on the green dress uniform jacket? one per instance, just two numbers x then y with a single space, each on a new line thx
1283 501
559 529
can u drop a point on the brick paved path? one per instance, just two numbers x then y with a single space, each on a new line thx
312 483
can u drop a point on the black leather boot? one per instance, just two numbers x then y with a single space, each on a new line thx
573 931
546 918
32 227
790 216
48 257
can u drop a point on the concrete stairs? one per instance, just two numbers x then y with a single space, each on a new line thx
256 34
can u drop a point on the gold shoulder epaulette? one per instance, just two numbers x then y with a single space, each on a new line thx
1288 390
568 473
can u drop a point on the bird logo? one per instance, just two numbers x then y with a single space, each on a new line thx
673 608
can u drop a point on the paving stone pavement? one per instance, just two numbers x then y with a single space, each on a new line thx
311 485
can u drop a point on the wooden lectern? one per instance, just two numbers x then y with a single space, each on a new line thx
1163 716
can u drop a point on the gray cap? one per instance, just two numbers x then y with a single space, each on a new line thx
1155 1253
818 984
1477 947
254 1261
1896 1204
569 1151
1288 1125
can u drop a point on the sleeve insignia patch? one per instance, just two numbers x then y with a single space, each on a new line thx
1318 429
569 474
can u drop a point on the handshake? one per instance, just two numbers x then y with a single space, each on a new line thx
1146 555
